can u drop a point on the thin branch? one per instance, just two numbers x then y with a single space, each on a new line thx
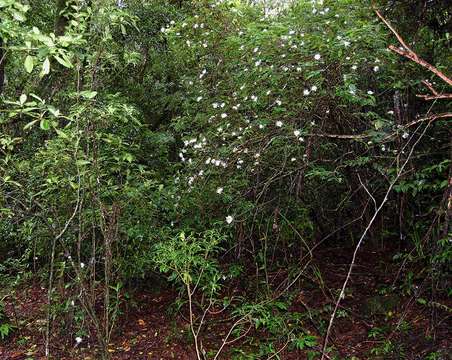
368 192
430 87
407 52
435 97
414 57
401 41
361 240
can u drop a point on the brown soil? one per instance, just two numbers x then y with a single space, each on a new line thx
148 331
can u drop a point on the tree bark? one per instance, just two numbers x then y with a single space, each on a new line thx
2 66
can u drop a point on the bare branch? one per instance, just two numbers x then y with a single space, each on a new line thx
430 87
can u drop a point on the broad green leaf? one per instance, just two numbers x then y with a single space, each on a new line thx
53 110
4 3
63 62
88 94
46 66
44 124
30 124
22 99
29 63
37 97
128 157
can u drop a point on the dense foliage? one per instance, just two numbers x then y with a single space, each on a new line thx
218 143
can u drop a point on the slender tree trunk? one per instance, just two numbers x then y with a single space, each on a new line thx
2 66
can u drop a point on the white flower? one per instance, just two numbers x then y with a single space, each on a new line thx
376 68
199 98
293 159
82 265
256 49
313 88
279 123
305 92
257 63
317 56
278 102
229 219
370 92
215 105
224 116
301 139
296 133
354 67
219 190
261 126
405 135
78 340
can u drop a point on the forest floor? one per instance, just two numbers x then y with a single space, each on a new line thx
375 326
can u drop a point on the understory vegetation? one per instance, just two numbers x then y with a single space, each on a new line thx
225 179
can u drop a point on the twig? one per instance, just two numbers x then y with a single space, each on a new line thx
225 340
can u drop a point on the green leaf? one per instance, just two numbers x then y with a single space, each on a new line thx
4 3
61 134
44 124
30 124
46 66
54 111
88 94
29 64
22 99
82 162
63 62
128 157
